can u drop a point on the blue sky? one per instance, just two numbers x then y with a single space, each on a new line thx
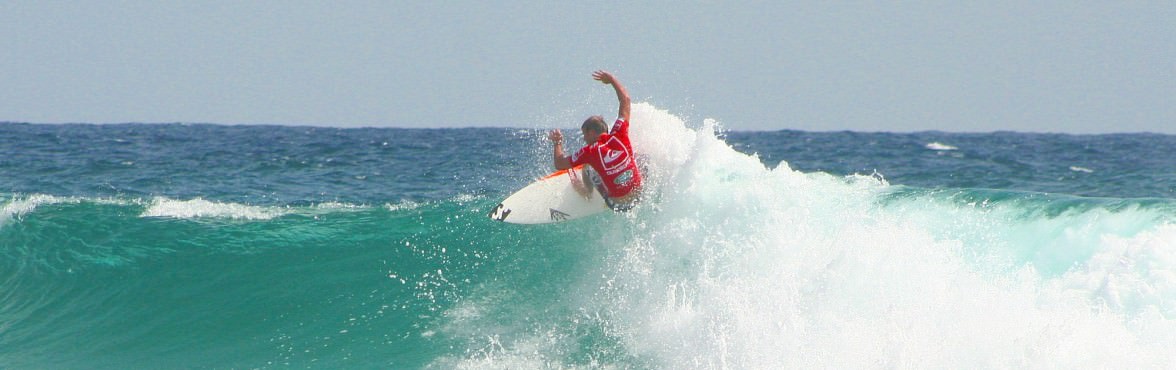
1077 67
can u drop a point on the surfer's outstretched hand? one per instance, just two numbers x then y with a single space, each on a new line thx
555 136
603 76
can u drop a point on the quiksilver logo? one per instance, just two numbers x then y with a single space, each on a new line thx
612 155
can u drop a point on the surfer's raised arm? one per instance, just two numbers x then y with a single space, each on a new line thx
622 94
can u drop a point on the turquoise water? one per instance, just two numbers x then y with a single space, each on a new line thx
204 246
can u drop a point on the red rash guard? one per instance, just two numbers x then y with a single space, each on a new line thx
612 158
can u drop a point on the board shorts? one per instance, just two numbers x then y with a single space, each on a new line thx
610 202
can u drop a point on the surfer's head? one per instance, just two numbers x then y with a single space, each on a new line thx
592 128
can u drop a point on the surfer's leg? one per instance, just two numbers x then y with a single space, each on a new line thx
597 183
613 204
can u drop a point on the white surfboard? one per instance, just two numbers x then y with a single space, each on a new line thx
550 199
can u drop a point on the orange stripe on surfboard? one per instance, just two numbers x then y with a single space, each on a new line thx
561 172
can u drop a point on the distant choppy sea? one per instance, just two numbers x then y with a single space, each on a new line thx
166 246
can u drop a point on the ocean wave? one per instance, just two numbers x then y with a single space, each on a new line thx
730 264
201 208
18 206
404 205
1133 275
937 146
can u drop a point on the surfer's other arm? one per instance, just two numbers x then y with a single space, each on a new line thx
560 160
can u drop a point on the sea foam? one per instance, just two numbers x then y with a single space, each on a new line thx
201 208
18 206
731 264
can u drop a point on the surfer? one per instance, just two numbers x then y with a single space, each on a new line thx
608 152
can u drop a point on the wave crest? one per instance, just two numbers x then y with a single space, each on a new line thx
201 208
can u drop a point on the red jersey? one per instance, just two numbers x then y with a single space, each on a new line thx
612 158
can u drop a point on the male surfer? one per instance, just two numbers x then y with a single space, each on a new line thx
608 152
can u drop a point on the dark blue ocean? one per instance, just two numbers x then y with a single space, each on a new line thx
171 246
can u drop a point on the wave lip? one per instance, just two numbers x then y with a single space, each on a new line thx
201 208
17 207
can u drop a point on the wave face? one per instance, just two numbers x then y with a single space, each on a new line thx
164 246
